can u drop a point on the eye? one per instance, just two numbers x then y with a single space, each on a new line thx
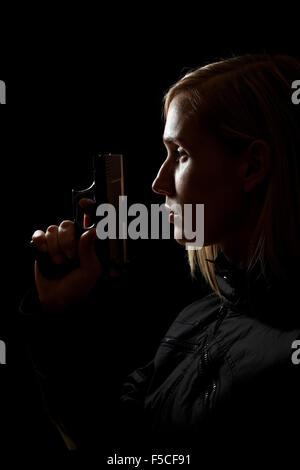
181 154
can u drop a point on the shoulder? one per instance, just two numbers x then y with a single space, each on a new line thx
195 316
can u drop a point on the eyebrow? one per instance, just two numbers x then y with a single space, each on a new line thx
173 140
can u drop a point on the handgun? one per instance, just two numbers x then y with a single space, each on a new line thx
106 187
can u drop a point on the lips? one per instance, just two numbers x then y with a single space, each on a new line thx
172 213
169 209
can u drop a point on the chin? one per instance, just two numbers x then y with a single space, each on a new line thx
181 241
185 243
195 243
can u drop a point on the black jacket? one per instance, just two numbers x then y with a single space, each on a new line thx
221 381
223 375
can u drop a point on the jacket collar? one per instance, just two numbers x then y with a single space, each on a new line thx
272 303
234 283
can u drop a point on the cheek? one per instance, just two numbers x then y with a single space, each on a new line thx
218 190
189 184
223 210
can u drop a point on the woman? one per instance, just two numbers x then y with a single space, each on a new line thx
223 372
232 136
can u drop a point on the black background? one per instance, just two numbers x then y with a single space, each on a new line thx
80 83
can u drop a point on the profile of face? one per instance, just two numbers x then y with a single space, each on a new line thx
198 169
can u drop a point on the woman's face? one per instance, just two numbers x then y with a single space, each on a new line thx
199 170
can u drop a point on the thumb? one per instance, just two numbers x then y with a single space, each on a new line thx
86 252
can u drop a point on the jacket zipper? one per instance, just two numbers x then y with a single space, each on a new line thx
220 317
213 383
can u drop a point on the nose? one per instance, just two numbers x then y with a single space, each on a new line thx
164 181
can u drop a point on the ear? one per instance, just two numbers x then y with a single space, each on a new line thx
256 164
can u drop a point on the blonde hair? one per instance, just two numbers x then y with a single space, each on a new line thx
242 99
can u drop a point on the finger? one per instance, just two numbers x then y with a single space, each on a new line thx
87 254
39 239
66 238
89 208
87 221
53 247
40 279
88 205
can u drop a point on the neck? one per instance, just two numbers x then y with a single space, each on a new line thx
239 244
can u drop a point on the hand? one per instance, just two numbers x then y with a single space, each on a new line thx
59 241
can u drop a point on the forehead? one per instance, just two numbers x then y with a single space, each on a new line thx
181 122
